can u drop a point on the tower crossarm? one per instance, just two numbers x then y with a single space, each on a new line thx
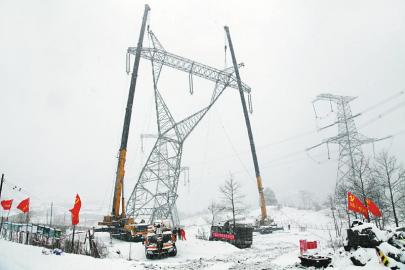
222 77
336 98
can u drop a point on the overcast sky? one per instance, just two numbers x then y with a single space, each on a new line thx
63 92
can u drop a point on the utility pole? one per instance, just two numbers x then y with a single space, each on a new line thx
1 187
249 130
1 183
50 221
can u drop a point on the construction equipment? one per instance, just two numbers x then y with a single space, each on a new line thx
117 223
160 241
263 220
239 235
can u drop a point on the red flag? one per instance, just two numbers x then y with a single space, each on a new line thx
6 204
24 205
312 245
373 208
354 204
75 210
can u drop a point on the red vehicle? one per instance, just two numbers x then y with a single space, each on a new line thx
240 236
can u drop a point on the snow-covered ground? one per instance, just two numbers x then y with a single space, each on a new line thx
272 251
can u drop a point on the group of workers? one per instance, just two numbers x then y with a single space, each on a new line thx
180 233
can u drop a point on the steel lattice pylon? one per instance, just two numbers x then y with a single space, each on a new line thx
350 141
155 193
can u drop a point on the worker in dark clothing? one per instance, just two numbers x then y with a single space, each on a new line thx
158 229
174 234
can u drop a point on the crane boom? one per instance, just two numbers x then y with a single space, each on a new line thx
119 181
249 130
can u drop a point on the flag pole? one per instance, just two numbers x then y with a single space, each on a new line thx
26 228
1 226
73 239
8 214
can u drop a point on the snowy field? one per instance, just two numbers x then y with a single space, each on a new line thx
272 251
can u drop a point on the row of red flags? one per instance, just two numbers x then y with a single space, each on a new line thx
354 204
24 206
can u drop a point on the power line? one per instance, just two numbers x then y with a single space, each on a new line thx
17 188
251 176
313 131
383 114
372 107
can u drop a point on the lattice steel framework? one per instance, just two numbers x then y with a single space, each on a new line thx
348 138
155 193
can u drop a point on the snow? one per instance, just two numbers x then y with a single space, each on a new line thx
342 262
381 235
279 250
14 256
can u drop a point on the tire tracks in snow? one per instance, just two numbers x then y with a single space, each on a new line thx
257 257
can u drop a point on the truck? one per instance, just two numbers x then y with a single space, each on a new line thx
239 235
160 241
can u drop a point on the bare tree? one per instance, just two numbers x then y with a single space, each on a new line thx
391 175
232 196
401 204
306 199
362 183
215 208
340 201
379 197
338 223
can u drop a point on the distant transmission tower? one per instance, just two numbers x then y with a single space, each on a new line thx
350 141
155 193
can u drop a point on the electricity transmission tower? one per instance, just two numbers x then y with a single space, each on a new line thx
350 141
155 193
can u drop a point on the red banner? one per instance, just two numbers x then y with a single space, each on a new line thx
24 205
223 236
305 245
76 210
6 204
355 205
312 245
373 208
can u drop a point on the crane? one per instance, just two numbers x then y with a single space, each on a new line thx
263 210
118 222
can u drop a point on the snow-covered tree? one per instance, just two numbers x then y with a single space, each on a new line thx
215 209
232 196
362 183
391 177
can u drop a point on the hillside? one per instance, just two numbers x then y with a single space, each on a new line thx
272 251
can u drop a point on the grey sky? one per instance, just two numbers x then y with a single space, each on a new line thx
63 90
